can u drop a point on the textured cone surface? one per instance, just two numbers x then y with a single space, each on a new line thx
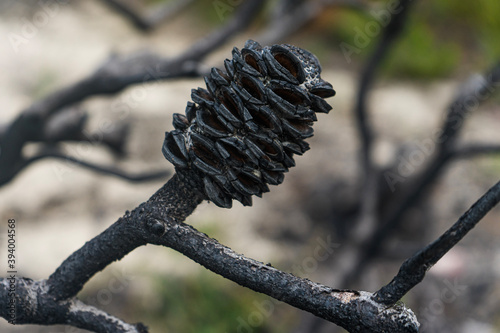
242 131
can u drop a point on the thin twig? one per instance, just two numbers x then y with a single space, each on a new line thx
156 16
414 269
136 19
473 150
477 89
105 170
69 125
367 221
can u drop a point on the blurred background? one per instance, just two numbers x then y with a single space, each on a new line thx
306 225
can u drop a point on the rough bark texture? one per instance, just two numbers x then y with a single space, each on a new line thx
172 203
159 221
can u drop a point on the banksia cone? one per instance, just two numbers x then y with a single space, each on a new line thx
241 133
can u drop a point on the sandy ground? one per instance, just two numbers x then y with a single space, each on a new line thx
58 207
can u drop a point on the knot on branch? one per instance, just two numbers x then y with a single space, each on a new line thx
155 227
240 135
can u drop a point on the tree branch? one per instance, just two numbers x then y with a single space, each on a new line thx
478 91
159 221
347 308
413 270
173 202
113 76
128 13
367 219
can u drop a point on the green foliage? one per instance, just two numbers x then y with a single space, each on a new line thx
491 166
416 54
441 37
420 55
206 10
474 24
154 2
216 12
44 83
202 303
343 27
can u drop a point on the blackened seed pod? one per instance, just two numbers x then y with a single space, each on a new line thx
241 133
